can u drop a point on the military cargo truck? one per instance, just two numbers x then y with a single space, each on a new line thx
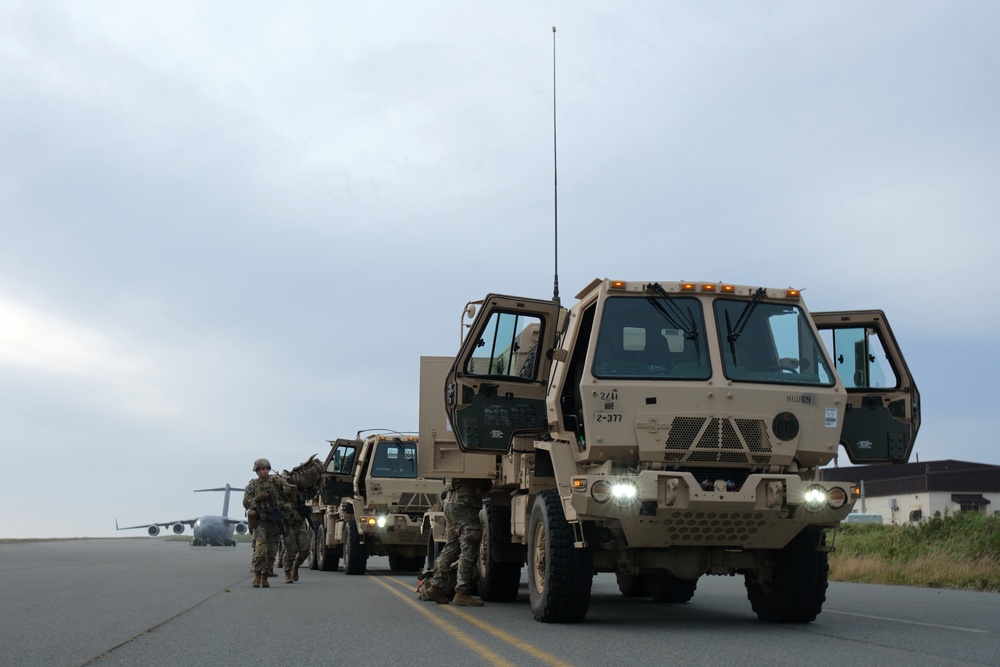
371 503
668 430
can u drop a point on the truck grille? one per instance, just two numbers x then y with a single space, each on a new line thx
414 504
718 440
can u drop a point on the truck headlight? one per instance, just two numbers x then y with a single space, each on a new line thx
600 491
624 492
380 522
815 498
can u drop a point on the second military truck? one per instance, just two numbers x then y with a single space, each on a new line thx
371 503
663 431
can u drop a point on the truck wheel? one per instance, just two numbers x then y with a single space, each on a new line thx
355 552
314 550
665 587
397 562
328 558
632 585
432 550
559 575
498 582
797 593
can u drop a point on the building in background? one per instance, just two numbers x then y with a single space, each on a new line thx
911 492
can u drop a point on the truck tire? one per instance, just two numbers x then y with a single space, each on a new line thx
314 550
355 552
559 575
665 587
328 558
798 591
498 582
632 585
397 562
432 550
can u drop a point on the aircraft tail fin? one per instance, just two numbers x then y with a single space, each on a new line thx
225 503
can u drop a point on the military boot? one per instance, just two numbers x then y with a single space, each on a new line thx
295 572
288 577
466 600
263 580
436 594
256 580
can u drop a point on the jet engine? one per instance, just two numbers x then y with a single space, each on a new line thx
178 528
153 531
241 528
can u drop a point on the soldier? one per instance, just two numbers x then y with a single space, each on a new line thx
295 545
464 531
262 498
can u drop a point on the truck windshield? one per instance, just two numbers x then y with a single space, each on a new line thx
772 342
637 339
393 459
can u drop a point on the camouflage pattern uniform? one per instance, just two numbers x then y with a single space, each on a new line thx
267 535
295 546
464 532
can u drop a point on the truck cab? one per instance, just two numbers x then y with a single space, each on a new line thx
672 430
372 502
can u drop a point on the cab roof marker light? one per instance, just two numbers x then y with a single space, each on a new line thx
792 293
687 287
618 284
707 287
728 289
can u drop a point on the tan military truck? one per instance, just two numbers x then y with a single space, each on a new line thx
371 503
668 430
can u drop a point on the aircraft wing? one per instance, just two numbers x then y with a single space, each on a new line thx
165 524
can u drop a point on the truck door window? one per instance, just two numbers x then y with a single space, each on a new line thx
775 344
508 347
860 358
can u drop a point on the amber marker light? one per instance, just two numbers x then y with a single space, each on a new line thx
708 287
792 293
617 284
687 287
578 484
728 289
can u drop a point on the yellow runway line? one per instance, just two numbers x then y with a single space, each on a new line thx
534 652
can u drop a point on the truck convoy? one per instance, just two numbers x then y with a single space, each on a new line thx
371 503
664 431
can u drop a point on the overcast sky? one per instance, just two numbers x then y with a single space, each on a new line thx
230 229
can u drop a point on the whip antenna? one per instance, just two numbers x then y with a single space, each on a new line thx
555 175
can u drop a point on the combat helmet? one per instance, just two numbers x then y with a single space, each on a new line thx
261 463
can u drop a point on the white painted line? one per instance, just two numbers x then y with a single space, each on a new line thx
905 622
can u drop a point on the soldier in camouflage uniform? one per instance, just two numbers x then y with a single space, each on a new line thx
464 531
295 545
262 495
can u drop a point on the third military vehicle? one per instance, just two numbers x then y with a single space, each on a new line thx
664 431
371 503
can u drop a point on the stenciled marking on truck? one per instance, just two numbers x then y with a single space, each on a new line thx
516 415
608 417
803 399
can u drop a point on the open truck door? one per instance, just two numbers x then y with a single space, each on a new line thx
496 387
882 415
340 467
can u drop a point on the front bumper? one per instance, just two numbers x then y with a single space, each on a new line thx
671 509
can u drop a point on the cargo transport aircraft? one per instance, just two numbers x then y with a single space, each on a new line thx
215 531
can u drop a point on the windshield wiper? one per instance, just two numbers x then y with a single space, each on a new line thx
741 322
687 322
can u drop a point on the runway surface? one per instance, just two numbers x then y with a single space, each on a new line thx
142 601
